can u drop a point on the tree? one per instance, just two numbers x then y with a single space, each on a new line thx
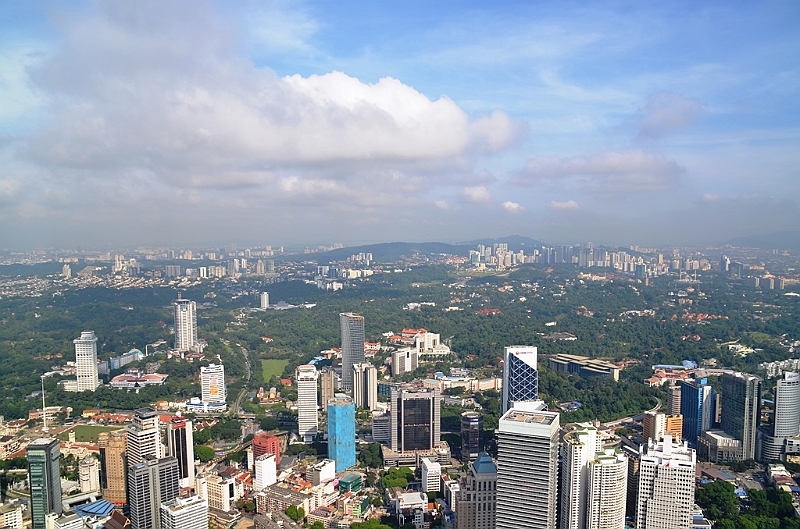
719 499
203 453
369 524
295 513
317 525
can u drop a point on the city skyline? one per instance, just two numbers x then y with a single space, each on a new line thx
650 123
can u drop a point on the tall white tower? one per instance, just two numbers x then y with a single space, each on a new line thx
185 324
607 490
352 328
577 449
666 485
264 300
143 437
365 386
86 361
307 417
212 382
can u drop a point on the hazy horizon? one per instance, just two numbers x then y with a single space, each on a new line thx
196 123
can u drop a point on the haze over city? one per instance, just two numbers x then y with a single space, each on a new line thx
128 123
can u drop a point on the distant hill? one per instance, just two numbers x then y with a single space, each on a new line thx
388 251
779 240
515 242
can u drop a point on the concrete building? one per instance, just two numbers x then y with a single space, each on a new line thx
655 424
718 447
405 360
185 313
214 391
741 409
112 465
352 330
674 399
151 482
578 447
89 474
342 432
431 475
527 469
184 513
381 431
606 490
475 498
666 485
520 376
86 362
180 445
307 416
415 422
44 477
471 435
221 492
328 386
264 300
773 441
365 386
143 438
584 366
266 471
266 443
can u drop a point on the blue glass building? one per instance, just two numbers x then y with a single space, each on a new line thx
698 407
342 432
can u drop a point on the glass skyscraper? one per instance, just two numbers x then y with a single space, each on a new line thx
342 432
352 328
697 407
520 376
44 473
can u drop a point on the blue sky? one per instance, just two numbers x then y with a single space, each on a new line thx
199 123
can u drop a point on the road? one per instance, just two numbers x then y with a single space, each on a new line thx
236 410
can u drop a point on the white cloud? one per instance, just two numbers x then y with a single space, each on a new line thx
513 207
9 189
666 113
442 204
569 204
476 194
710 197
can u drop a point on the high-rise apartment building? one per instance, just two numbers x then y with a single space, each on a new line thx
698 407
674 399
44 476
471 435
365 386
666 485
404 361
577 449
185 312
86 361
112 465
431 475
520 376
214 391
143 438
307 416
184 513
327 378
266 443
342 432
527 469
606 490
264 298
180 445
352 329
475 501
415 421
655 424
151 482
89 474
741 409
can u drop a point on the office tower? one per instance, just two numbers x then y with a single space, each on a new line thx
212 381
475 502
577 449
151 482
307 420
44 476
381 432
86 361
674 399
180 445
415 420
697 407
666 485
342 432
89 474
265 443
606 490
184 513
633 480
265 470
221 492
185 324
404 361
328 384
786 420
143 438
365 386
471 435
741 409
520 376
655 424
112 465
66 271
527 469
264 299
352 328
431 475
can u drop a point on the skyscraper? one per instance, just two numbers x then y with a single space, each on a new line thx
352 328
185 312
577 449
527 469
655 424
520 376
265 443
151 482
44 475
214 393
307 416
607 490
86 361
666 485
264 299
475 502
415 422
786 423
698 400
741 409
184 513
365 386
112 465
143 439
180 445
328 384
265 470
471 435
342 432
